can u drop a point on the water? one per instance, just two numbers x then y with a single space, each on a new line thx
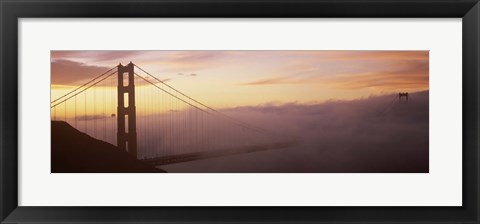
300 158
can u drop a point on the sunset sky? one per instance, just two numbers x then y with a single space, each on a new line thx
225 79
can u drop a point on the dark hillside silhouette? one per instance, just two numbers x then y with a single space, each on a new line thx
76 152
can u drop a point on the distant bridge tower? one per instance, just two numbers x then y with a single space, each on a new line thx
126 132
403 95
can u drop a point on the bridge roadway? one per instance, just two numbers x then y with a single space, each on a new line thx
164 160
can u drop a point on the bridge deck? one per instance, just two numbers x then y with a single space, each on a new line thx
164 160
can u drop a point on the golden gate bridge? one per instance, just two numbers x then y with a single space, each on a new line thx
155 122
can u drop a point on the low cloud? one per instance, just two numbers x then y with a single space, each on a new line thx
94 117
376 134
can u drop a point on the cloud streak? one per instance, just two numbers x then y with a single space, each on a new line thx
66 72
97 56
403 71
276 80
190 75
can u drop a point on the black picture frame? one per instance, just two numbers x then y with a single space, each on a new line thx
12 10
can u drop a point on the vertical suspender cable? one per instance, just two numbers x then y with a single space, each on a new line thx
65 110
75 111
85 117
94 117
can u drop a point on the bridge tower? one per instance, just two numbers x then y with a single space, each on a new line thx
126 112
403 95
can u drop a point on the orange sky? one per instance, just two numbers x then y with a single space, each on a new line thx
238 78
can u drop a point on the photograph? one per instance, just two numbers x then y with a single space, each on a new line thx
239 111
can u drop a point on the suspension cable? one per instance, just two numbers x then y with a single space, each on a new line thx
83 85
84 89
244 124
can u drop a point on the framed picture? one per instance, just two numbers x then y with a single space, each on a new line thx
249 112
